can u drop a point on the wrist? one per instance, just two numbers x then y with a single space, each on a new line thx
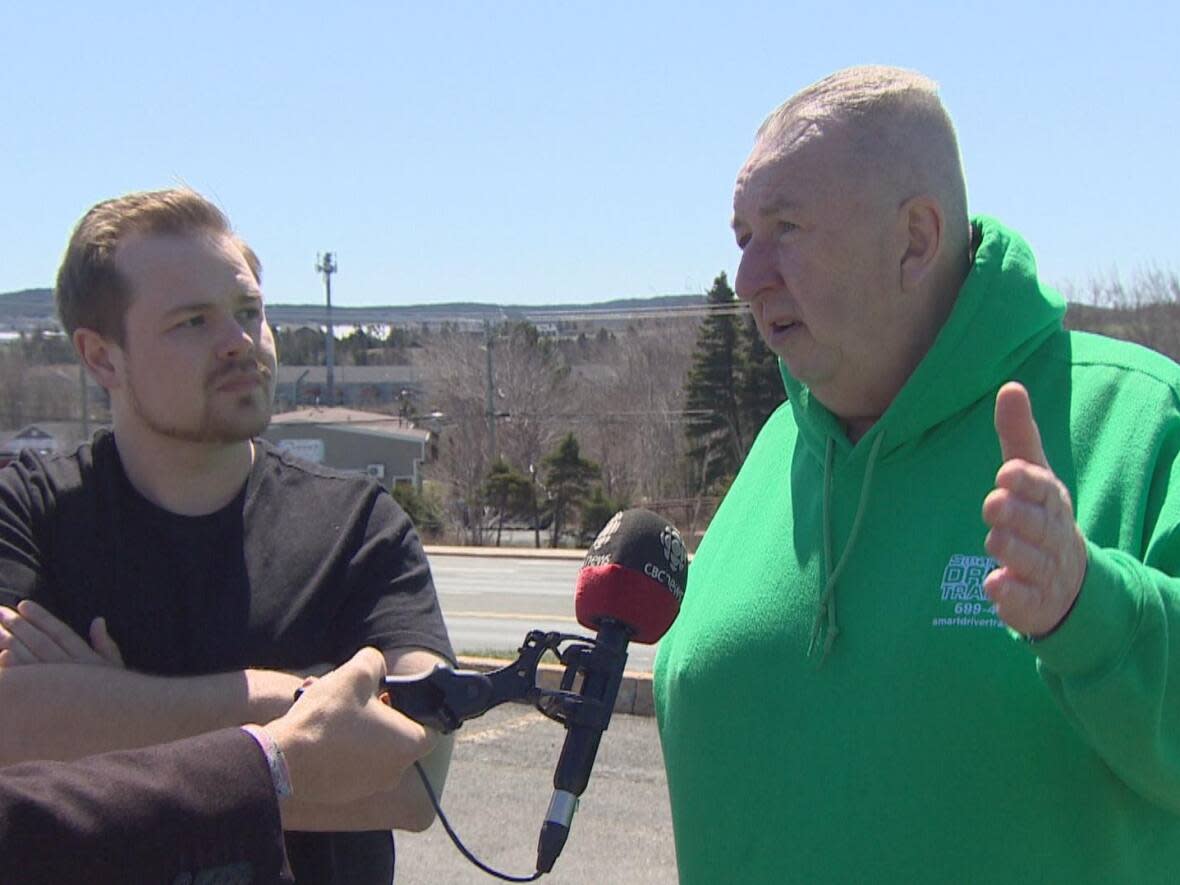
276 760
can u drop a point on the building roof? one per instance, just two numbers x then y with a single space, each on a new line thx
64 435
350 375
353 419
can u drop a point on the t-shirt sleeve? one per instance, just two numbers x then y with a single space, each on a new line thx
392 602
21 571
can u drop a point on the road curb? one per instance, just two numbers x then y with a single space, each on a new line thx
635 694
517 552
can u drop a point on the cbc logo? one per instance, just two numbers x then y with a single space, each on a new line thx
673 548
608 531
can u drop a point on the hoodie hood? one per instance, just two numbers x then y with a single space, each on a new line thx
1001 315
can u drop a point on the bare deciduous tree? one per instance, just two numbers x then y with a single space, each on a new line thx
31 393
1146 310
530 390
633 403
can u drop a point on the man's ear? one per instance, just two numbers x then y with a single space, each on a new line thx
102 357
922 227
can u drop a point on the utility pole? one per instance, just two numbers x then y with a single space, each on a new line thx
326 264
487 330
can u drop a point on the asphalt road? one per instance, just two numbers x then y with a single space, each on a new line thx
498 790
491 602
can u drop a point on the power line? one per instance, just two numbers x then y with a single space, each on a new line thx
359 316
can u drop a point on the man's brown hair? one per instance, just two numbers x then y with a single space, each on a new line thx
90 291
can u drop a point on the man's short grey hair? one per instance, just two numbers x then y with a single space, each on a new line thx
898 129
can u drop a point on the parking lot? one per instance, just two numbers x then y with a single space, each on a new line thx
498 791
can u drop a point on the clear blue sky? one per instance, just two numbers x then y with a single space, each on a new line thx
559 152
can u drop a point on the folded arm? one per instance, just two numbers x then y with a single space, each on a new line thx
65 711
65 699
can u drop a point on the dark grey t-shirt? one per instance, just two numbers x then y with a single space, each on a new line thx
306 565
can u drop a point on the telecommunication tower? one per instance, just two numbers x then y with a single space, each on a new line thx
326 264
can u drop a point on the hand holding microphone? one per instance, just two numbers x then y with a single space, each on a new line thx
341 742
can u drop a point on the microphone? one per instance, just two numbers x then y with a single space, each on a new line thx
629 589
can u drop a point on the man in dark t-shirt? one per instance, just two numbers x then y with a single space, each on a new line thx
194 573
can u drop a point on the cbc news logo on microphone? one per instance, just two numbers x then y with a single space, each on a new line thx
674 550
608 531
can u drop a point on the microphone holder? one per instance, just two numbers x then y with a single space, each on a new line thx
444 699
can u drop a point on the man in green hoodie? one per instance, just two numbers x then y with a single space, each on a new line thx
989 701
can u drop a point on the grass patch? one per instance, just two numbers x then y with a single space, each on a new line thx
499 654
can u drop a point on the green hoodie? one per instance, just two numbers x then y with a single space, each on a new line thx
921 741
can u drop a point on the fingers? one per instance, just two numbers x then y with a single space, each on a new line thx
368 667
101 642
1030 504
1018 433
1016 601
1031 519
1030 563
43 635
1033 535
32 635
359 677
13 652
57 632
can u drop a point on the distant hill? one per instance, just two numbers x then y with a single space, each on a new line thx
28 306
1156 325
33 308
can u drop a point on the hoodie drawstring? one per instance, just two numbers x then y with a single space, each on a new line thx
827 600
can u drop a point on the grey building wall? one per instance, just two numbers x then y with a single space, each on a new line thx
357 449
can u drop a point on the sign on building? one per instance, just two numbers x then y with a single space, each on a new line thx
308 449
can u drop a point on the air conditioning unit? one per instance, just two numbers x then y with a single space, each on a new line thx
377 471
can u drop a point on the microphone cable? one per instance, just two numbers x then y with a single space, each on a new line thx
459 844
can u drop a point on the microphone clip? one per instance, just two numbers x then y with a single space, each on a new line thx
587 658
444 699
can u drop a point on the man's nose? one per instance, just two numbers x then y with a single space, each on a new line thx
235 340
757 271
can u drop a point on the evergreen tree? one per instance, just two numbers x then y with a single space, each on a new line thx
508 491
596 512
424 510
760 386
567 479
716 442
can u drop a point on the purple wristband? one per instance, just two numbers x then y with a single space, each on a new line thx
275 761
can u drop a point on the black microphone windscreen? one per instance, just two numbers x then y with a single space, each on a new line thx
635 573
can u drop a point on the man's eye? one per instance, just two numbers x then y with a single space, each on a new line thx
785 227
249 313
194 322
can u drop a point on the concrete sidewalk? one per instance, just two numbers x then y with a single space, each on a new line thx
520 552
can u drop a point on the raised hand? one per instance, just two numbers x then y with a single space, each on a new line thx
1033 534
29 634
